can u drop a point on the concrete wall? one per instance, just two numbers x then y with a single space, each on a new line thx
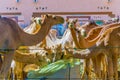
27 7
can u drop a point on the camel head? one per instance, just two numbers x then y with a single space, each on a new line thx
49 52
43 58
52 19
56 52
71 23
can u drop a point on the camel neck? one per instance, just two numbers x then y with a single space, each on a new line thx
33 39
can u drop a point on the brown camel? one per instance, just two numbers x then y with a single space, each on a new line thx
111 49
91 36
12 36
93 32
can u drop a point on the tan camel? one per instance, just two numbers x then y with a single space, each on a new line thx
87 67
12 36
96 61
111 49
92 36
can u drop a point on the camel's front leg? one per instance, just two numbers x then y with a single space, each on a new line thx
6 64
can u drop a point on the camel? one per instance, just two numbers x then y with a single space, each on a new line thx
95 31
112 53
17 67
12 36
96 61
91 36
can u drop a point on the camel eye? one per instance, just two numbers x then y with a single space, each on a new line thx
54 17
74 22
46 53
47 15
68 22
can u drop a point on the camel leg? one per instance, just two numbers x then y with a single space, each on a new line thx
101 66
87 69
18 70
84 71
104 74
115 58
98 66
110 67
95 67
6 64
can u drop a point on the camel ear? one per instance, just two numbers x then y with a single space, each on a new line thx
53 16
42 16
47 15
67 20
76 20
45 48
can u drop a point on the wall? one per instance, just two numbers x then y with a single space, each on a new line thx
27 7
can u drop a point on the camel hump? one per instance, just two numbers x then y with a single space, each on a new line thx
94 33
6 19
11 27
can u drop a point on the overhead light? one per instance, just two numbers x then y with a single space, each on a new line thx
35 1
109 0
17 1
